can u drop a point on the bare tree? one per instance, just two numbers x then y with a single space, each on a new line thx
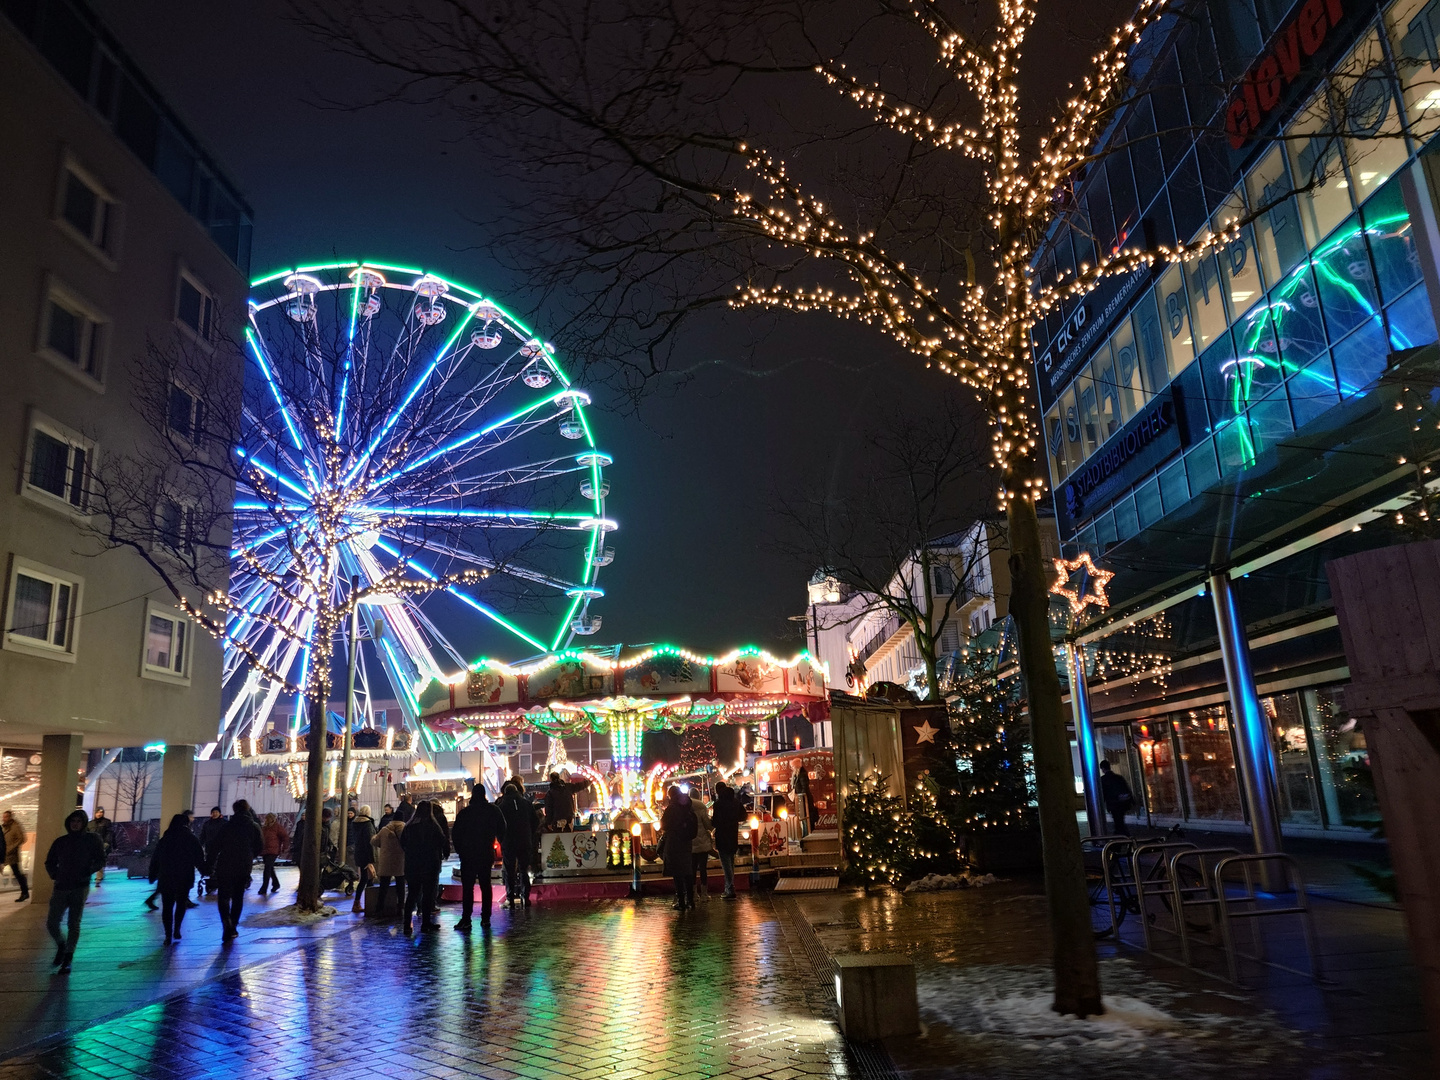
908 533
132 783
663 172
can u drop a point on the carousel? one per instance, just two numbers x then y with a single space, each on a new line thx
706 711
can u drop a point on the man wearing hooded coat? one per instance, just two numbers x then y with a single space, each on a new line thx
72 858
474 833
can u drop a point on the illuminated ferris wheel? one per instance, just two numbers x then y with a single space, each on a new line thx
399 425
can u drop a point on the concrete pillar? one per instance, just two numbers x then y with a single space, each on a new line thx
1085 739
177 779
1252 729
59 784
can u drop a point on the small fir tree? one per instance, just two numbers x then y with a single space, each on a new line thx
937 846
879 839
990 755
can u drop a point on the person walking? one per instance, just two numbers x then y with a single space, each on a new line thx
275 838
726 814
72 858
701 846
101 826
155 892
14 835
228 862
178 856
560 803
477 827
425 850
677 832
362 830
211 829
515 845
1115 794
390 863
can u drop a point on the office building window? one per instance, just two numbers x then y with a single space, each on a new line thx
72 333
40 617
167 641
195 307
175 527
87 210
186 413
59 464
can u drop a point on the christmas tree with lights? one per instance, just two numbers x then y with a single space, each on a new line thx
991 784
879 839
936 841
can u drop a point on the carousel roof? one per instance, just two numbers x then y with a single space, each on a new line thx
577 690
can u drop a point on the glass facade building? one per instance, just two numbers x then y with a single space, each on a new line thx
1230 411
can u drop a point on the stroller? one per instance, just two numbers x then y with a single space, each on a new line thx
335 877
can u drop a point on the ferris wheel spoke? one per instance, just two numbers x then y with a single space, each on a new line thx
494 565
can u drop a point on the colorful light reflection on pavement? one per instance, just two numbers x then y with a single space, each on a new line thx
609 989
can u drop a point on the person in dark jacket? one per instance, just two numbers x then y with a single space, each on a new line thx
677 831
425 850
1115 793
560 803
178 856
101 826
71 860
362 831
726 814
208 831
406 810
228 862
515 845
476 829
386 816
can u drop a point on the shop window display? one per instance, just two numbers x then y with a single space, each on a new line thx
1157 763
1295 775
1343 759
1209 764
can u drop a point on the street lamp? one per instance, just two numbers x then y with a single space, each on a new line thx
635 861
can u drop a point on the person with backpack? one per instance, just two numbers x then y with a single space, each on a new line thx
178 857
474 833
425 850
1115 794
515 846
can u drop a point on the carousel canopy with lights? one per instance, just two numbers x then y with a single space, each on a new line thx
604 691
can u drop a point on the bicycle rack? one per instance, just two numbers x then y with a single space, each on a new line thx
1204 895
1301 908
1161 884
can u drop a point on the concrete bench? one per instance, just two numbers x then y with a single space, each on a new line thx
876 994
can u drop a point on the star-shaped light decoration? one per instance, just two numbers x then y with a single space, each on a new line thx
925 733
1090 589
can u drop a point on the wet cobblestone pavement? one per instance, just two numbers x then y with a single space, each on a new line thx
611 989
608 989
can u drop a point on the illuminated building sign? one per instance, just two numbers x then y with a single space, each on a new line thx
1150 437
1286 60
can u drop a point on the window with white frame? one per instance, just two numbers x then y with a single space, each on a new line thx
58 464
186 413
175 524
72 333
524 762
40 614
195 307
167 643
86 210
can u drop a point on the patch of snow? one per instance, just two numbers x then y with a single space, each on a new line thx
290 915
937 882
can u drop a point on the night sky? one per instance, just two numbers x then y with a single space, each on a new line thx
695 472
